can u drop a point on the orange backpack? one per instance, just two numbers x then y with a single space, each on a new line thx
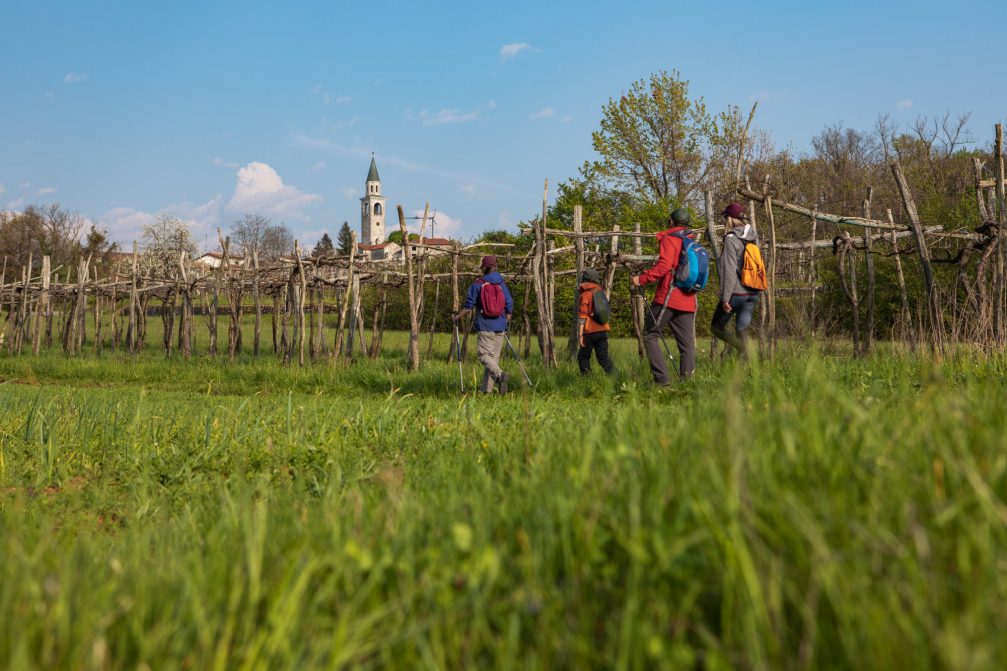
752 271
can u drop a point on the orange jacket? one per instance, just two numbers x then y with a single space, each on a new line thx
587 290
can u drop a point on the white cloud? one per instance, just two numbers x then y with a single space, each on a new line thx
543 113
350 192
2 188
24 185
260 189
342 100
567 118
904 104
327 98
505 221
316 89
491 104
45 191
467 188
318 166
226 164
444 225
74 77
448 116
511 50
15 205
50 96
126 224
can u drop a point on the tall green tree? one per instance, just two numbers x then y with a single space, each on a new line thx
324 246
657 143
345 239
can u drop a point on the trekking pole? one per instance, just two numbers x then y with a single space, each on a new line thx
657 319
458 352
518 359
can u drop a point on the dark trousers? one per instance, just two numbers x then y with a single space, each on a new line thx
598 343
742 309
683 327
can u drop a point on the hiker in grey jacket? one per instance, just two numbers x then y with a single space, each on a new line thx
735 299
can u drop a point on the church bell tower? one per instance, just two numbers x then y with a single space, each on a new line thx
372 209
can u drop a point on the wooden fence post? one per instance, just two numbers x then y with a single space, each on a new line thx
414 328
573 341
868 341
933 299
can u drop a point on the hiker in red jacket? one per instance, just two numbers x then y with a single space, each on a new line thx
677 309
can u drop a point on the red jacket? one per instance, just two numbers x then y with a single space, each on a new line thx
669 247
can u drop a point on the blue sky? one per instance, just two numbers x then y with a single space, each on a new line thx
123 110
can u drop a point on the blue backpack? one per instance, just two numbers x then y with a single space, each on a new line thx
693 265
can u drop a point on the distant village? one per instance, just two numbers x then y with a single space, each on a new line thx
373 243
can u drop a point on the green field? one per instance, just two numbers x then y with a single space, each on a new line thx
819 512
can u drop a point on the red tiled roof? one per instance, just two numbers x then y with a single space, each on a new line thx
440 242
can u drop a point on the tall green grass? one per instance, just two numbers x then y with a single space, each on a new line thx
819 512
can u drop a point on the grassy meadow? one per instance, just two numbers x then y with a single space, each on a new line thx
817 512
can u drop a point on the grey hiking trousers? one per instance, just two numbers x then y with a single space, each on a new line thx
490 348
683 327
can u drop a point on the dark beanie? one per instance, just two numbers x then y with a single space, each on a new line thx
590 275
489 262
734 210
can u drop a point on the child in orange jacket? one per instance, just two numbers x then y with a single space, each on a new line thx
592 335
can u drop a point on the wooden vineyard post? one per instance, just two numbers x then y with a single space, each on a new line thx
573 343
23 307
540 277
638 301
185 323
301 293
257 299
1000 293
850 284
711 231
613 254
97 313
813 271
771 294
868 341
414 330
337 344
907 317
455 296
43 306
131 333
933 300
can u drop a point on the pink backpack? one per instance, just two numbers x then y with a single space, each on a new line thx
492 302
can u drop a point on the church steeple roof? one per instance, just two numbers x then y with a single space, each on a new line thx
372 174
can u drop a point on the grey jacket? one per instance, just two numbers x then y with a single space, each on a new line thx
729 264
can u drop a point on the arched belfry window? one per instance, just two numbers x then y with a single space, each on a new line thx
377 208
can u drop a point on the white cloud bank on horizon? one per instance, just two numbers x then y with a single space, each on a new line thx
258 189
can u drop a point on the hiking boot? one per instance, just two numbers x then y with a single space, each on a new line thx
502 383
